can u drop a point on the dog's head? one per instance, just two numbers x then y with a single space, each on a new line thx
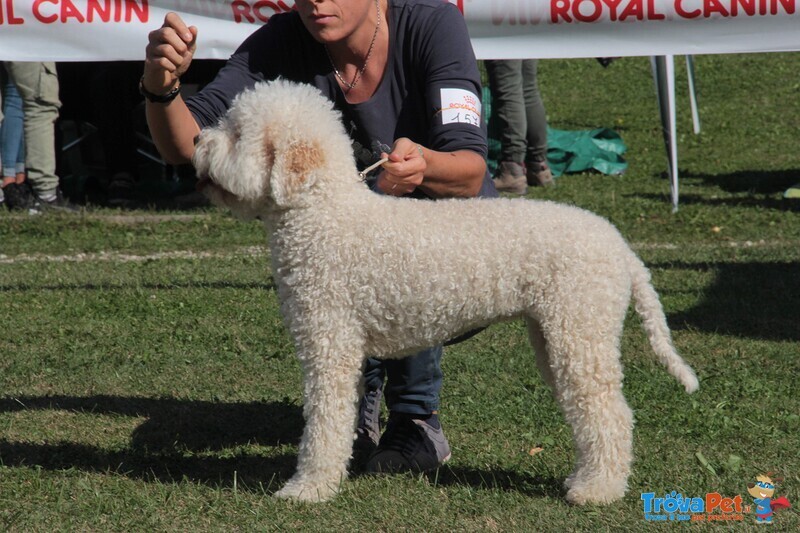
279 142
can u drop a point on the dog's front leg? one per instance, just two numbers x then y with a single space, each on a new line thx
331 378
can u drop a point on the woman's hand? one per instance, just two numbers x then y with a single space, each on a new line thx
405 169
168 54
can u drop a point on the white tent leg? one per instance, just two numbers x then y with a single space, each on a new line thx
664 77
693 94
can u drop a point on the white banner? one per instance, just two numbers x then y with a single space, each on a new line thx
86 30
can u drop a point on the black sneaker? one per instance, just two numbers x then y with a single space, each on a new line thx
122 190
368 429
409 445
58 204
18 196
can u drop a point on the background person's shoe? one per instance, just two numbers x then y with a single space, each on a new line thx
538 174
510 177
409 445
18 196
121 190
56 203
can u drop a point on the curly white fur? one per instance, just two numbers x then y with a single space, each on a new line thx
362 274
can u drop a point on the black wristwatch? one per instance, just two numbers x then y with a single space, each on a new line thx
159 98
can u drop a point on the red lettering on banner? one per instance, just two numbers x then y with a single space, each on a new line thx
41 18
592 16
93 7
594 10
142 11
9 12
621 10
68 10
241 10
748 6
258 10
788 6
686 14
613 4
714 6
559 9
105 10
633 9
651 10
731 8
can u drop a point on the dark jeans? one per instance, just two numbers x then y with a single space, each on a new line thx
412 384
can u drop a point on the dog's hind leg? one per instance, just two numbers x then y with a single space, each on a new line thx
331 376
587 383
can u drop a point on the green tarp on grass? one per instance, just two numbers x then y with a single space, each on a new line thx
600 149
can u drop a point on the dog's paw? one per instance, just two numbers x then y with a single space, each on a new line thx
595 490
307 492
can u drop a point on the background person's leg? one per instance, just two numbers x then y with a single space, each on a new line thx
38 85
536 168
508 106
15 193
12 144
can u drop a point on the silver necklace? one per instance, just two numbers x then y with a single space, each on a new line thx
351 85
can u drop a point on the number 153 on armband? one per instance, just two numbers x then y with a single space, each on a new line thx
460 106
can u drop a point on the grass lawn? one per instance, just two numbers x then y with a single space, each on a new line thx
147 382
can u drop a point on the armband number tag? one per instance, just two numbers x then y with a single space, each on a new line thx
462 106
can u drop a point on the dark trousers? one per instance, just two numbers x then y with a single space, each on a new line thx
519 108
412 383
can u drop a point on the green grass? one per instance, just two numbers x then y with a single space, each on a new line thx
148 390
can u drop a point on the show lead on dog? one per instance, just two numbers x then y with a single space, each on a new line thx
405 78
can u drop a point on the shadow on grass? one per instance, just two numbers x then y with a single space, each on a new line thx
173 443
23 287
756 300
749 201
498 479
178 440
755 181
250 472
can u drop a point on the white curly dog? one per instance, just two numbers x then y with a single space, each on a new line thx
361 274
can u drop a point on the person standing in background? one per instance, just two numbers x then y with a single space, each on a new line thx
523 138
37 83
13 189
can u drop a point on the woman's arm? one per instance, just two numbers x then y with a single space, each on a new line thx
456 174
168 55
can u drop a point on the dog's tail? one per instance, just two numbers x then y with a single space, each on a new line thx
649 308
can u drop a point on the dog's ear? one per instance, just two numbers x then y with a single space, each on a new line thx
293 171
